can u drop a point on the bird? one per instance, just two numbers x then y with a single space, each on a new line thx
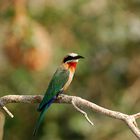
58 84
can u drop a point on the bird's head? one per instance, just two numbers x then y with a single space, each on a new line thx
72 59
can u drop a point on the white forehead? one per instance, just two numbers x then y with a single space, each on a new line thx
73 54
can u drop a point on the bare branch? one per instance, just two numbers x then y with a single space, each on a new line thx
130 120
136 116
83 112
7 111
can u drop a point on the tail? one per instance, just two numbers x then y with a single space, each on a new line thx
41 116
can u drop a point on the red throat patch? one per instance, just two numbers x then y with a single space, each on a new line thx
72 65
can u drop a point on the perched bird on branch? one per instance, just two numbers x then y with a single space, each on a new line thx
59 83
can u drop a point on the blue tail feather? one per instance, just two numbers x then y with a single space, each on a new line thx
41 116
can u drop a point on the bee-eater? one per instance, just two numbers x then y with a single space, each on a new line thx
59 83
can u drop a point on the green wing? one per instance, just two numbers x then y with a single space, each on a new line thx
57 83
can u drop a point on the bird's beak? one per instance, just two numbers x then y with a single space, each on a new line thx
79 57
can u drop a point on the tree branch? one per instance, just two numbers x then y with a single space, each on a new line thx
81 111
130 120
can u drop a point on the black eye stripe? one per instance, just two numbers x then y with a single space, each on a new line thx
68 58
76 57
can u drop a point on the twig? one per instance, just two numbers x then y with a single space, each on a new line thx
83 112
8 112
130 120
137 115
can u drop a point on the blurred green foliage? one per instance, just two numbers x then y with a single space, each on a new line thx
107 33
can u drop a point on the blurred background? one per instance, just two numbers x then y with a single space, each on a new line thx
36 35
